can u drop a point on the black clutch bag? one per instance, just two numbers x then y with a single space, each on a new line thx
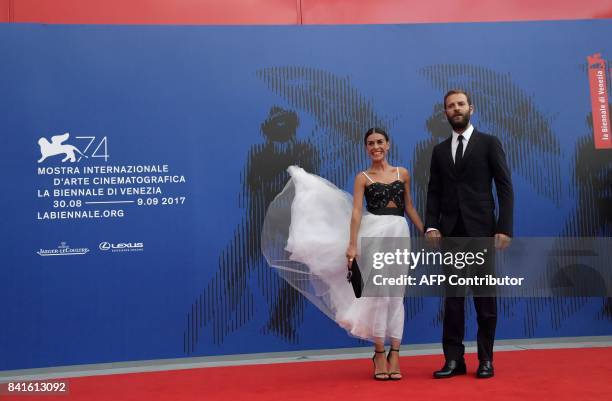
354 277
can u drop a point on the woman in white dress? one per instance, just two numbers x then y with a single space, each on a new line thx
305 237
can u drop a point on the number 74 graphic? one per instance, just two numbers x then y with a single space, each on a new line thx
100 150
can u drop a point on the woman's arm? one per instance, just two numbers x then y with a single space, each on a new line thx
411 212
358 190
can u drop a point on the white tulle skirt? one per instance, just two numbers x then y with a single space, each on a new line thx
305 236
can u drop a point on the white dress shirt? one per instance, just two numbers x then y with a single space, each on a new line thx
466 138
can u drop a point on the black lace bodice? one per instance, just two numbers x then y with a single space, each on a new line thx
378 195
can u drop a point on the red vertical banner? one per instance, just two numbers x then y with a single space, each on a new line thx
599 102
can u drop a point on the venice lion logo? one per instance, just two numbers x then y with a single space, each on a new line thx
57 147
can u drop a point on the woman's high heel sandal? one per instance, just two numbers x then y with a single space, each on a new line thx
379 375
394 375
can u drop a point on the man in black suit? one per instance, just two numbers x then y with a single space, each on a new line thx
460 204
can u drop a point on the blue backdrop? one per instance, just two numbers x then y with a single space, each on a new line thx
219 113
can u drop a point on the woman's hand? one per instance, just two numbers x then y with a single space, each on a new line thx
351 254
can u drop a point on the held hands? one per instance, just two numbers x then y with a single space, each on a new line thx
433 234
433 237
502 241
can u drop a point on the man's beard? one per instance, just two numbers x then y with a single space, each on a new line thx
461 124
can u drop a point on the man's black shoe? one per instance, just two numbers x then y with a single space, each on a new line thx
450 369
485 370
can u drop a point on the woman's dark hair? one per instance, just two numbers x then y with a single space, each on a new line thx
375 130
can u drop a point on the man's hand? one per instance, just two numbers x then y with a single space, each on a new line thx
433 237
502 241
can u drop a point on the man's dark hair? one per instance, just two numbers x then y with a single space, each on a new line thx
457 92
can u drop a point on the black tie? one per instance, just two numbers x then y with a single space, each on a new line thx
459 153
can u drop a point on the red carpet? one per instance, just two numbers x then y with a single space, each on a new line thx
562 374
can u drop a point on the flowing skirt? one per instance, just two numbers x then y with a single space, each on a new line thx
305 236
